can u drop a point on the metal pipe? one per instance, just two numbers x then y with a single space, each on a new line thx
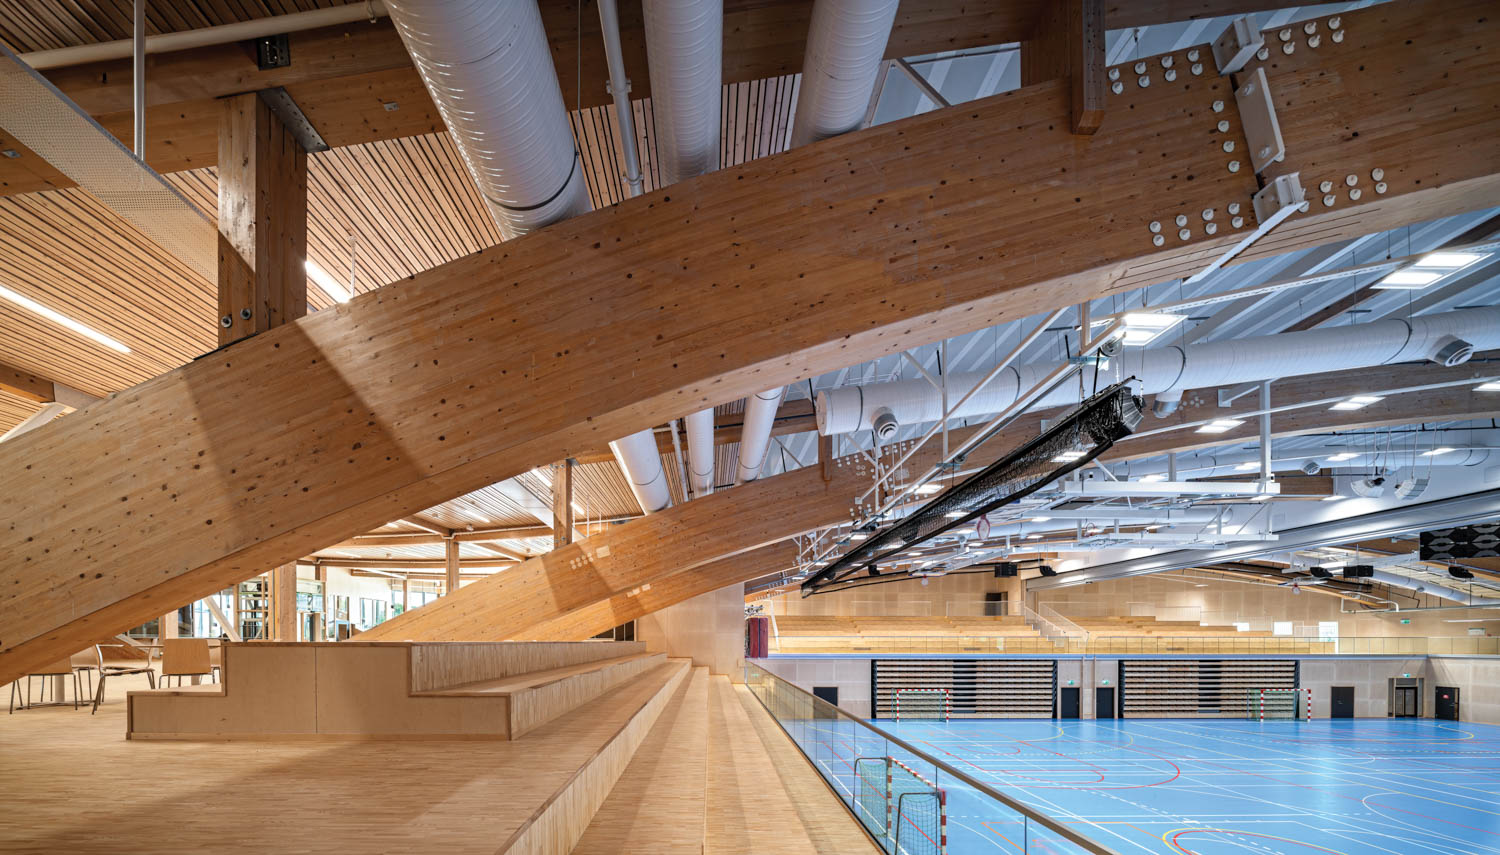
1266 475
138 77
700 430
619 88
207 36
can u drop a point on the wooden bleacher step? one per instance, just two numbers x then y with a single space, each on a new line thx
540 696
658 804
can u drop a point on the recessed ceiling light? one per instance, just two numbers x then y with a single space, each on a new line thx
1334 498
1142 328
326 283
1342 455
1436 451
1409 279
1449 260
1068 456
1492 386
1220 426
1248 466
858 535
1152 478
1357 402
1033 537
928 489
60 319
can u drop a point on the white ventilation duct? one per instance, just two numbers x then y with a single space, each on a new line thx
684 49
1170 370
1468 450
755 437
845 46
700 431
1437 590
638 456
489 71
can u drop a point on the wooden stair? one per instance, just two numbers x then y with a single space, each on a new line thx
716 774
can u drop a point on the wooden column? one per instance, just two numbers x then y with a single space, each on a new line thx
262 221
405 593
562 503
167 628
450 557
1070 43
284 603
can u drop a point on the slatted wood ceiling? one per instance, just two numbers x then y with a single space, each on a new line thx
27 25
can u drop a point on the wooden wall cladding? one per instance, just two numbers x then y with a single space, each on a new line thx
437 666
593 328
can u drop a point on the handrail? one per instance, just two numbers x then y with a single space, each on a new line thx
1030 813
1068 626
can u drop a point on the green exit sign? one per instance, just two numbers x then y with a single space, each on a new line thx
1406 675
1070 682
1406 620
1104 682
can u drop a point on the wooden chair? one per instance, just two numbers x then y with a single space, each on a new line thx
62 668
216 661
84 662
118 669
185 657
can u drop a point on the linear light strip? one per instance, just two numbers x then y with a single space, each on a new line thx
60 319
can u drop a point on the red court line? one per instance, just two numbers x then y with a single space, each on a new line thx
1181 848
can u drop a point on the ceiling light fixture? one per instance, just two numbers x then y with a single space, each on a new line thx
1334 498
1220 426
326 283
1068 456
1408 280
1357 402
1341 456
60 319
1429 269
1492 386
1151 479
1449 260
1436 451
928 489
1142 328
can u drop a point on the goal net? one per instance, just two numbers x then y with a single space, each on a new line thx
904 811
918 704
1274 704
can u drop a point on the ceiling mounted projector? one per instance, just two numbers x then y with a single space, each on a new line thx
1369 488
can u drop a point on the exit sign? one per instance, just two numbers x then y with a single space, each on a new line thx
1406 620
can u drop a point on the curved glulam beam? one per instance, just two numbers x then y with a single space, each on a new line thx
734 282
588 583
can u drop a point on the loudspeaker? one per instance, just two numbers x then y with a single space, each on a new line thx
1320 573
1005 570
1460 573
1359 571
1047 571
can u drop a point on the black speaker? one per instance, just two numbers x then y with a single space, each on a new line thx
1005 570
1481 540
1359 571
1320 573
1047 571
1460 573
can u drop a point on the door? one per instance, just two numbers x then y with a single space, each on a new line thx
1447 703
1069 705
1104 702
1341 702
1406 702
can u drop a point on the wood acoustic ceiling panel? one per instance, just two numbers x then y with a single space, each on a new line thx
28 25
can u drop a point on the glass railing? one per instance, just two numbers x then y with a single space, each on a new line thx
900 795
1247 645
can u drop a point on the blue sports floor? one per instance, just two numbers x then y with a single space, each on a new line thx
1202 787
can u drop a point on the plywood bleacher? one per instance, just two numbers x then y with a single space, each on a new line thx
1146 634
902 634
387 690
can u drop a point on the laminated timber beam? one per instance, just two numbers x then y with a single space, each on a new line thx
343 76
736 281
550 590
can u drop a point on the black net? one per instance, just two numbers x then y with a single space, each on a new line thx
1076 439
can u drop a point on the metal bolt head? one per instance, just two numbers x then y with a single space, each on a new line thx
1247 90
1310 27
1143 81
1285 34
1265 152
391 106
1184 234
1171 75
1314 41
226 322
1228 146
1351 179
1263 54
1211 228
1218 106
1355 194
1234 207
1289 48
1338 36
1238 222
1181 219
1192 55
1166 61
1325 186
1208 214
1304 207
1234 166
1380 188
1197 68
1117 87
1114 74
244 314
1223 125
1328 201
1155 227
1378 174
1140 67
1158 240
11 153
1335 22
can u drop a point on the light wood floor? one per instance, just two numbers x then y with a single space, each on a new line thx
70 782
